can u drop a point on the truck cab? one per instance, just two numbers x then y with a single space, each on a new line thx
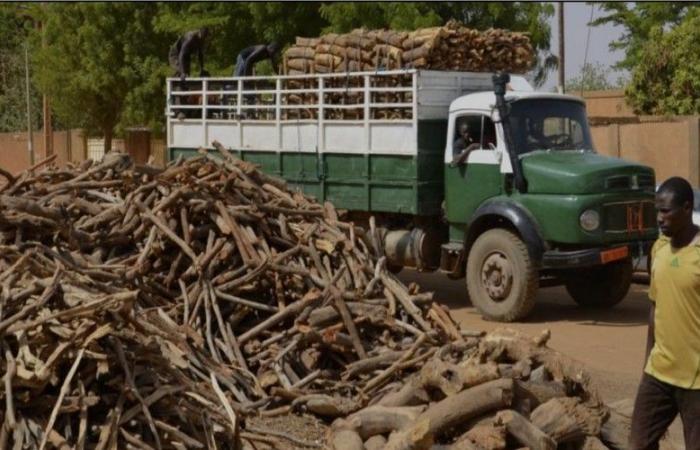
472 175
577 221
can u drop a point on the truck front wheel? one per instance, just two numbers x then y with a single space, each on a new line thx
501 279
601 286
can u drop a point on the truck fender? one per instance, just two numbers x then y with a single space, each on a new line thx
491 213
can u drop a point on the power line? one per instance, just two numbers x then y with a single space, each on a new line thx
585 53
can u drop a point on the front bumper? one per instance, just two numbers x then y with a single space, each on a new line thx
554 259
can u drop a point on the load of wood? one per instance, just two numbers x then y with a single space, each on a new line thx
168 308
450 47
161 307
498 391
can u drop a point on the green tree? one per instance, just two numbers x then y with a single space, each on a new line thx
639 20
236 25
103 65
593 77
667 78
530 17
14 27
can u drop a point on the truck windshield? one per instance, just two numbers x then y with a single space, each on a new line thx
549 124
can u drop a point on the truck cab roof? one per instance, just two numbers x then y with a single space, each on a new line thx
486 101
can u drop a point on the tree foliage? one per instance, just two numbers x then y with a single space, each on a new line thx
593 77
640 20
104 64
13 100
667 78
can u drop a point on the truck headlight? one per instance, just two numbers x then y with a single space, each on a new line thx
590 220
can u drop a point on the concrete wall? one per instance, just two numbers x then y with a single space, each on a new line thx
14 154
606 104
69 146
95 149
670 145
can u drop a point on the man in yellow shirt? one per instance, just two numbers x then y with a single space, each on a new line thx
671 381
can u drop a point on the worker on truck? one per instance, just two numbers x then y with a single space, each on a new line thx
179 57
181 52
252 55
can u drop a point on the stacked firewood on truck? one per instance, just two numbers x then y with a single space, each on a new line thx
182 307
450 47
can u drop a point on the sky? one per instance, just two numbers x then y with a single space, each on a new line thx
576 17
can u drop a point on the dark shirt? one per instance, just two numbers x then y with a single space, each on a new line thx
182 50
460 144
250 56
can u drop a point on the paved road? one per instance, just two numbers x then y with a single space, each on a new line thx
610 343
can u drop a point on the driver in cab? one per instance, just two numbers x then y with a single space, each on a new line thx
463 145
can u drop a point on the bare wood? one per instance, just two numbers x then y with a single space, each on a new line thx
11 370
349 324
168 232
310 298
524 431
405 300
467 404
379 419
382 377
487 436
62 393
346 440
566 419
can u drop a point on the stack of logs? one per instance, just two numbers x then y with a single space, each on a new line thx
165 308
496 391
450 47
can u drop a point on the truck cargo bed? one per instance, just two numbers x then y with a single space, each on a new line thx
369 141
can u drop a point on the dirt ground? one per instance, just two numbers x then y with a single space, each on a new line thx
610 343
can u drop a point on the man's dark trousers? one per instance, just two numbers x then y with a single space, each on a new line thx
656 406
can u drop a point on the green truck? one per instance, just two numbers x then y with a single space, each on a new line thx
470 174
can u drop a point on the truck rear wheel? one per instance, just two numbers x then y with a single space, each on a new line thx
602 286
501 279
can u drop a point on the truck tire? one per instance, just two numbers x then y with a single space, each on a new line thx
501 280
601 286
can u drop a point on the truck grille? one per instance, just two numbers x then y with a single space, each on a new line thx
626 182
629 217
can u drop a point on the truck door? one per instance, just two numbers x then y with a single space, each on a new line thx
472 165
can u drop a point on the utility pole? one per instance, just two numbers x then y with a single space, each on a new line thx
30 139
562 65
48 128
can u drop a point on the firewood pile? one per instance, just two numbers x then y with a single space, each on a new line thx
166 308
450 47
500 390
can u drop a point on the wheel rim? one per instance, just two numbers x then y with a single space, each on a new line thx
497 276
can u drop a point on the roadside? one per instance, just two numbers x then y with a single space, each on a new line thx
610 343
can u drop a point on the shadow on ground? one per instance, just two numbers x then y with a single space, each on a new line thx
552 305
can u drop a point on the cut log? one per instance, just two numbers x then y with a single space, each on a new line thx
379 419
567 419
524 431
346 440
375 443
538 393
615 431
327 60
466 405
488 437
411 393
300 52
306 42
